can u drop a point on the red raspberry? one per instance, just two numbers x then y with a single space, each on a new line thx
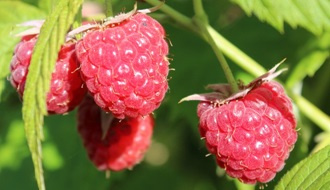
252 136
66 88
125 142
125 66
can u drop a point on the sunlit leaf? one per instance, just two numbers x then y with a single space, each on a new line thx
311 173
311 15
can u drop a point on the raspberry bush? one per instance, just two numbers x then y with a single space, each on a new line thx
250 128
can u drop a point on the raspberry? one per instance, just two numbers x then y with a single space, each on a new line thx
125 66
66 87
125 142
251 136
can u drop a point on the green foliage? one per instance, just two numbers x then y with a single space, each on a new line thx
310 173
52 36
65 161
316 54
13 149
311 15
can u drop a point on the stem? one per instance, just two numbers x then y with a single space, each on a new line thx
108 8
202 22
229 49
245 62
178 17
226 69
312 112
198 9
237 55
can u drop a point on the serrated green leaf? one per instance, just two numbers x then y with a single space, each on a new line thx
52 36
311 15
311 173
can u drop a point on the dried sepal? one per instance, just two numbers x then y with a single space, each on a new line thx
120 17
223 92
35 26
112 20
268 76
71 35
209 97
222 88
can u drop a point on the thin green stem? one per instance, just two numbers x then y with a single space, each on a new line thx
312 112
226 69
178 17
202 22
245 62
108 8
237 55
198 9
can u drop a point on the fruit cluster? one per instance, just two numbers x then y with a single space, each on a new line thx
117 73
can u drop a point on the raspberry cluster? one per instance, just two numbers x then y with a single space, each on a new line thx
123 66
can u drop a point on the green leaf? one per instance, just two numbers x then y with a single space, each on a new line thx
322 140
311 173
314 58
43 61
311 15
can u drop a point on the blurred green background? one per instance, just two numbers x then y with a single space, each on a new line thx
176 159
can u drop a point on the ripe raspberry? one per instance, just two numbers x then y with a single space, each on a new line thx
66 88
252 136
125 142
125 66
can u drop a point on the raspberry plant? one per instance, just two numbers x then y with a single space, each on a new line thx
219 33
